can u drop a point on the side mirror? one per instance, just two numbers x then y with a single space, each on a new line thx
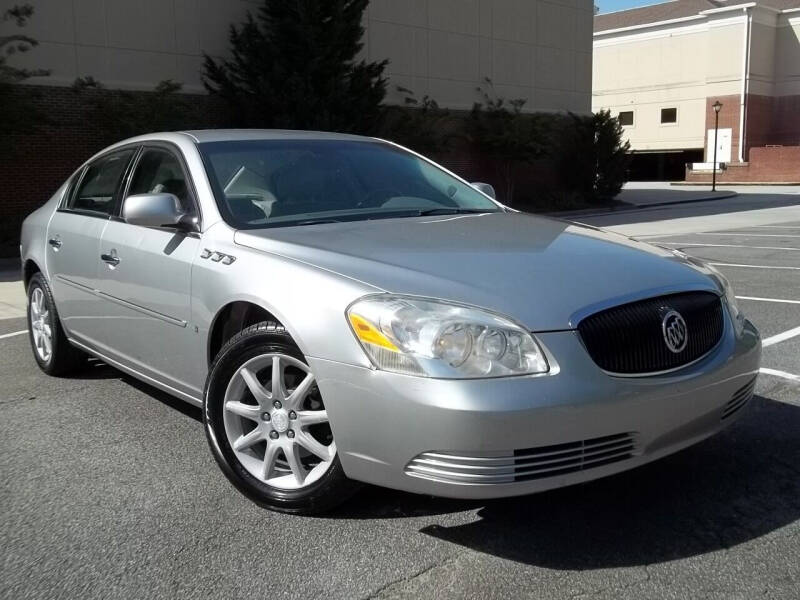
153 210
486 188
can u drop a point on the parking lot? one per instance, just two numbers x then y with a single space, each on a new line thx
108 489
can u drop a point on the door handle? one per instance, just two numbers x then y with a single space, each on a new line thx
54 242
111 259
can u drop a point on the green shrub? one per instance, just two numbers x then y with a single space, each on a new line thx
422 126
502 132
591 157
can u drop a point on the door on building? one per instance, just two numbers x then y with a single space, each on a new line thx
723 145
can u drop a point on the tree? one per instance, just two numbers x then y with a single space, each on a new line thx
118 114
593 158
294 65
421 125
500 130
18 110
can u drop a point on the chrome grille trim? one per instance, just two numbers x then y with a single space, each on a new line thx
627 340
740 397
525 464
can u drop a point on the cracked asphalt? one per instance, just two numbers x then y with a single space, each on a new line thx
109 491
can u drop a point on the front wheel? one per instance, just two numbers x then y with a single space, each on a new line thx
268 427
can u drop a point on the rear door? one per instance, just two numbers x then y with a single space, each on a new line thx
145 279
73 243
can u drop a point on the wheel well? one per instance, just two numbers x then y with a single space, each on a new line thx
29 270
231 320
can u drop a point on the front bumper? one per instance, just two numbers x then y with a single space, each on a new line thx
528 434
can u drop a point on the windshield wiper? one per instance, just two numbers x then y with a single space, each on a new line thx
453 211
319 221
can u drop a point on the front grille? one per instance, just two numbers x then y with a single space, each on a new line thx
628 339
739 399
523 465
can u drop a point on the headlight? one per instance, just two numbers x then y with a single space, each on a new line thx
431 338
730 299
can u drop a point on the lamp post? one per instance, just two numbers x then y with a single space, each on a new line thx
717 105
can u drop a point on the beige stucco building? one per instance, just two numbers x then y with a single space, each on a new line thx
661 68
539 50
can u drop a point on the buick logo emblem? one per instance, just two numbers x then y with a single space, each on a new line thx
675 331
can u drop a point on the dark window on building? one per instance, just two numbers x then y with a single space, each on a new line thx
669 115
626 117
99 184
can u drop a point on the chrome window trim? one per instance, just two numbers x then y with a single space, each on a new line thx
647 294
81 172
174 150
121 302
726 326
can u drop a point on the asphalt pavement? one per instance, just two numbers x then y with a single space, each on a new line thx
108 489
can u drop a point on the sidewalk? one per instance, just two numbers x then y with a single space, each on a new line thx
12 292
661 193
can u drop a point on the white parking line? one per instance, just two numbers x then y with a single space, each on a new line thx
778 235
782 374
778 226
8 335
671 243
780 337
716 264
757 299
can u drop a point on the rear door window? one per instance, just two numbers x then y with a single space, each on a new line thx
97 190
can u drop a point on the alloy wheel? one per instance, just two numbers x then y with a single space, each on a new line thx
276 423
40 325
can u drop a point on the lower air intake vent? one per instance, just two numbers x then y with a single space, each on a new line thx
739 399
523 465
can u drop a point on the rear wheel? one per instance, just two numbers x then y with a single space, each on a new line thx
268 427
51 348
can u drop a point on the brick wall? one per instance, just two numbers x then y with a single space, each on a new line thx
767 164
758 128
41 159
38 161
771 121
728 119
785 123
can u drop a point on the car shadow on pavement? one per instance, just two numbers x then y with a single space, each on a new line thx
738 486
97 369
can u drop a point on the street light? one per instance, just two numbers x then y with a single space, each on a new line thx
717 105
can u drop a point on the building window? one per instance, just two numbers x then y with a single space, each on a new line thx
626 118
669 115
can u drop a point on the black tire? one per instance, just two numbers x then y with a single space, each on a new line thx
330 490
64 358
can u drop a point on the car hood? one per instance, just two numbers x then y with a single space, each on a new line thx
544 273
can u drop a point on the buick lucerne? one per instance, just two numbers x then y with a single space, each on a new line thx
344 310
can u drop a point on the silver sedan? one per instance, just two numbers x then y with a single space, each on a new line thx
345 310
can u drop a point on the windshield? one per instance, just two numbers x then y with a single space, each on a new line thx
269 183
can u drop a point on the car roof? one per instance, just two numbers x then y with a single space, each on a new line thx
224 135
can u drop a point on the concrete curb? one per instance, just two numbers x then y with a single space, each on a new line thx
758 183
632 207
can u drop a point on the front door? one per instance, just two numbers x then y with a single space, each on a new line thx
145 280
723 145
73 244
